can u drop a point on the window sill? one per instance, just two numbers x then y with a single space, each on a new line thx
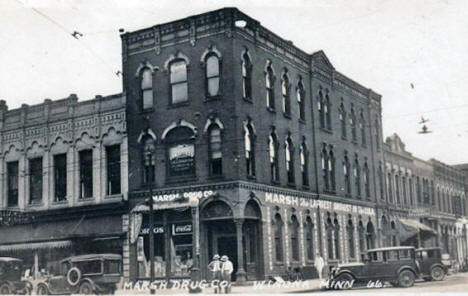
271 110
330 191
248 99
344 138
305 187
60 202
177 105
113 196
251 177
35 205
275 182
216 177
302 121
86 199
213 98
287 115
279 263
354 142
348 195
325 130
291 185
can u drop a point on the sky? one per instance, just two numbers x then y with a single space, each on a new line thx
413 53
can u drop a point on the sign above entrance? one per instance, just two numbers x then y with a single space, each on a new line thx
182 196
175 200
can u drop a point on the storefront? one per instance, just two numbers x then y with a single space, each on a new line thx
262 229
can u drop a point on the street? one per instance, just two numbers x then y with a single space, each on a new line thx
453 283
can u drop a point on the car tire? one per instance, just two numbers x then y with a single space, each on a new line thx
42 290
86 288
406 278
5 289
73 276
437 273
345 277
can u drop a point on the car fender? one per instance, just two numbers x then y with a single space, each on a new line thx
344 271
46 284
416 274
444 268
90 281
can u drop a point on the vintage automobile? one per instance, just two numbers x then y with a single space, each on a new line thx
396 265
11 270
84 274
430 264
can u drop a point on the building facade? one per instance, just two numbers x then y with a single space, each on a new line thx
63 168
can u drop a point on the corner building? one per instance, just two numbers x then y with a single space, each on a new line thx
263 152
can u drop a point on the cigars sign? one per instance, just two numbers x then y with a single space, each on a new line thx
294 201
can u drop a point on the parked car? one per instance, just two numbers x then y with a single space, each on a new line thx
396 265
11 270
430 264
84 274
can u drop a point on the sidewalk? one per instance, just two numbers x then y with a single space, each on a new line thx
250 288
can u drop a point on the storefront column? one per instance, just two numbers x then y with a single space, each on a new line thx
195 271
36 265
240 275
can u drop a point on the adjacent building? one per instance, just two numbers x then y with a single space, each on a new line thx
63 180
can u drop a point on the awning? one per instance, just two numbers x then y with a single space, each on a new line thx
409 228
36 246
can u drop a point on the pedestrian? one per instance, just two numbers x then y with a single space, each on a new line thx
215 268
319 264
227 268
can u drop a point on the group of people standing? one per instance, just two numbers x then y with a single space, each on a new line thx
221 269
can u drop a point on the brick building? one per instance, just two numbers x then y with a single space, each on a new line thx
63 168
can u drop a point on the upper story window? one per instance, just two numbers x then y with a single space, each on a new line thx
212 72
278 228
328 167
113 169
331 168
149 174
309 239
180 151
350 233
389 185
352 122
343 120
381 183
289 151
324 157
270 86
321 108
403 188
273 145
249 145
35 180
147 88
12 183
215 151
60 177
346 174
86 173
285 86
300 93
357 176
397 188
178 81
377 134
304 163
410 190
327 111
362 127
246 75
366 179
294 238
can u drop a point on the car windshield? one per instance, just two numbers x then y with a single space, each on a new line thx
90 267
111 266
376 256
433 254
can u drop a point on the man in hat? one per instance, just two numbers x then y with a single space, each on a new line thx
215 268
226 269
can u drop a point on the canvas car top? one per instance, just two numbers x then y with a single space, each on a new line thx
10 259
391 249
92 257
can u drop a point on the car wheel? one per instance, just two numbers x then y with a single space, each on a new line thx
5 289
437 273
86 289
42 290
345 278
406 279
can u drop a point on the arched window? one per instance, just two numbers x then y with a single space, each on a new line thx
304 164
397 188
410 190
393 238
215 153
336 238
178 81
289 151
285 93
370 235
381 183
327 110
389 185
329 232
362 126
366 180
362 237
377 134
249 140
148 172
278 226
301 98
321 108
147 88
310 239
357 176
273 149
346 172
352 122
324 156
350 233
294 239
181 151
270 86
343 120
331 169
246 76
212 72
439 200
403 187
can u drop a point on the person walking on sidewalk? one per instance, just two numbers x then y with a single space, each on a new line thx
319 264
226 269
215 268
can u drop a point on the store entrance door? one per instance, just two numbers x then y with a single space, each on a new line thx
227 246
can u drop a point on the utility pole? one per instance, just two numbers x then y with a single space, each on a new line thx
149 151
